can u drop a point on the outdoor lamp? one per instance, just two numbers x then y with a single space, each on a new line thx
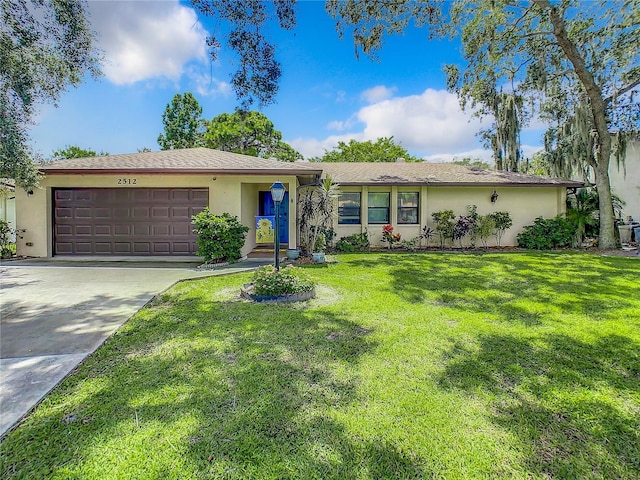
494 197
277 194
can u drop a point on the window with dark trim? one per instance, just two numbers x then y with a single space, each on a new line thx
349 208
378 207
408 207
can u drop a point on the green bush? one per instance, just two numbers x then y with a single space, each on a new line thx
445 223
547 233
269 281
7 247
220 237
358 242
502 222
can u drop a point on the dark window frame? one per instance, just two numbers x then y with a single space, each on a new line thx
386 209
349 219
415 209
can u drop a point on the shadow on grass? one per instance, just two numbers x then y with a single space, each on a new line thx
195 389
519 288
569 403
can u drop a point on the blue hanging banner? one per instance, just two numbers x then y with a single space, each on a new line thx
265 230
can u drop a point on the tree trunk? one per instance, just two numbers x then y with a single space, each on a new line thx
607 237
598 106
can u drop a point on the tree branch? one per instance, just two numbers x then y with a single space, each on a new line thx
622 91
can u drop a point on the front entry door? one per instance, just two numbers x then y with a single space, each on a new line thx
267 207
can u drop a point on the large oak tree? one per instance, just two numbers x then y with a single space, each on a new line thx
575 63
45 46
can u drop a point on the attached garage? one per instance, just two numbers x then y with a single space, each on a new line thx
141 204
126 221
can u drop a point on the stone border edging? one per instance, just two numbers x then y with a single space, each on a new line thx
292 297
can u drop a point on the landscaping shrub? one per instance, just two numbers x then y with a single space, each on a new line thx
7 247
288 280
389 237
502 222
358 242
445 222
220 237
484 228
547 233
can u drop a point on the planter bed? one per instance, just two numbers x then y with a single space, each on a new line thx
247 292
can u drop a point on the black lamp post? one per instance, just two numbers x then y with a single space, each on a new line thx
277 194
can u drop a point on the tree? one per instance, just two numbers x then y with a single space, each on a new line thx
249 133
383 150
45 46
576 63
259 71
73 151
475 163
182 123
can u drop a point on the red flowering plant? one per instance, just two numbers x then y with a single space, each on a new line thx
389 237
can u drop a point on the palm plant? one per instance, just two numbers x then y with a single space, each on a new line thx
582 212
315 211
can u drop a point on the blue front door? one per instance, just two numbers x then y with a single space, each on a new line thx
267 207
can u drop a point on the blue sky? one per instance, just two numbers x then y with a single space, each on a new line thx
155 49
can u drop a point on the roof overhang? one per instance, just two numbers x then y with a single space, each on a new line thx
155 171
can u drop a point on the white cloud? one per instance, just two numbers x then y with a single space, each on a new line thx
144 40
205 84
425 124
377 94
431 121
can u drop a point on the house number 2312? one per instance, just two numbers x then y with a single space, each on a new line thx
127 181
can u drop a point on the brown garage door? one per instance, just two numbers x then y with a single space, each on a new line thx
126 221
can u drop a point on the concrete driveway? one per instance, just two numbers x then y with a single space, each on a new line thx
54 314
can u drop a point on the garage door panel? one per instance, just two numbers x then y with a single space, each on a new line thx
180 229
99 212
160 213
122 247
82 213
161 248
83 247
161 195
181 248
141 213
126 221
64 230
200 196
103 248
141 247
64 213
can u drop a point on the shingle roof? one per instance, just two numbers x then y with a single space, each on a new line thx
423 173
206 160
189 160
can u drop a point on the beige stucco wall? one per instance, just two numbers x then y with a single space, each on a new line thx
523 203
234 194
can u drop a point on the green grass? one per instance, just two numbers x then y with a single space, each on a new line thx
406 366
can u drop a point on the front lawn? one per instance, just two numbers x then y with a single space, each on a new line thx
405 366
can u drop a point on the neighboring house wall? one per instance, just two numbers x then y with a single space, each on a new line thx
524 204
233 194
625 181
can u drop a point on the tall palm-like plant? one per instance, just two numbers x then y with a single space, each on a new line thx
582 212
315 211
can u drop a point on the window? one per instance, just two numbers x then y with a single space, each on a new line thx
349 208
379 207
408 207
